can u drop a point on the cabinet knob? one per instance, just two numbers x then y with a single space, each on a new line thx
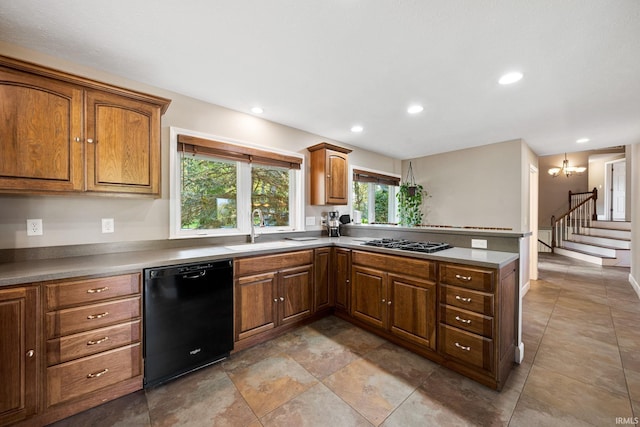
77 139
90 140
388 302
281 298
275 300
384 300
30 353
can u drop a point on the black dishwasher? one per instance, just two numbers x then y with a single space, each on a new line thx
188 318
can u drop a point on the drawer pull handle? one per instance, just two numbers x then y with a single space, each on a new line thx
94 342
97 316
98 374
97 290
463 299
464 278
463 347
461 320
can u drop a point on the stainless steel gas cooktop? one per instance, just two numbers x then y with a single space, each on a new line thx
408 245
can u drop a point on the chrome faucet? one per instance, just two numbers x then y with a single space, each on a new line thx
253 226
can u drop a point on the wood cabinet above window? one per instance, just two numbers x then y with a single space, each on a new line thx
63 133
329 174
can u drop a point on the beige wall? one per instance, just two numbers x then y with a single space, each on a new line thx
479 186
77 220
554 192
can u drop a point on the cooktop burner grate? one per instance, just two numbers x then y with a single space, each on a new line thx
408 245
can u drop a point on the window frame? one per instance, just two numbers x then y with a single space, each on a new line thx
392 201
243 190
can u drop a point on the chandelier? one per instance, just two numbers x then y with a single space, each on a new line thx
566 169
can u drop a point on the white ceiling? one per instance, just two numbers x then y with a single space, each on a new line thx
325 65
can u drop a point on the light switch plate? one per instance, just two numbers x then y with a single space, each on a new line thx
108 225
479 243
311 220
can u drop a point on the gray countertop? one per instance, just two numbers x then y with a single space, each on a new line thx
14 273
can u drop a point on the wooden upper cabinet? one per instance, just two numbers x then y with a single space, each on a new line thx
62 133
329 174
123 150
41 119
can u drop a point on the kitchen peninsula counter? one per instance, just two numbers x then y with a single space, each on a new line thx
29 271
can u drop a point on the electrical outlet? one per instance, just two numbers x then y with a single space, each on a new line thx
311 220
479 243
108 225
34 227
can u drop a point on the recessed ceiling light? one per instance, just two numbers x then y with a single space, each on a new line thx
257 110
415 109
582 140
510 78
357 128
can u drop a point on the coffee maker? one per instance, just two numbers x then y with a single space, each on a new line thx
333 224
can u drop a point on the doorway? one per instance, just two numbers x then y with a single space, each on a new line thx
615 190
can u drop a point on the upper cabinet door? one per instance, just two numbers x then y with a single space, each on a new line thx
329 174
123 145
337 180
41 140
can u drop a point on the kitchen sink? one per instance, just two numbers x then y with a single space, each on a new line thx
262 245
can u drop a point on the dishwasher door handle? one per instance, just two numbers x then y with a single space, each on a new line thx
195 276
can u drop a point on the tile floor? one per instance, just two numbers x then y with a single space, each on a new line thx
581 367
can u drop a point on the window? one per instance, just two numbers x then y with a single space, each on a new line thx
374 195
216 185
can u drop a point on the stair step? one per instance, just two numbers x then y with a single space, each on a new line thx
602 250
612 225
622 261
607 232
588 253
601 241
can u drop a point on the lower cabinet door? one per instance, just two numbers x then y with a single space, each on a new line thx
368 296
19 354
295 297
413 310
74 379
255 304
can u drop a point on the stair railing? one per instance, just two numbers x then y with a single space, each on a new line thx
578 217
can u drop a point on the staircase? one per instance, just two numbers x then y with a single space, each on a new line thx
601 242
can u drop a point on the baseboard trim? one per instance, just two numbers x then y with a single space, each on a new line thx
520 353
525 289
634 284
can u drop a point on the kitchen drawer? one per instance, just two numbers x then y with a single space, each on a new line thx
467 320
423 269
467 347
467 277
469 300
259 264
75 346
79 319
70 293
73 379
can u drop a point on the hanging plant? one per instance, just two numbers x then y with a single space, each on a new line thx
410 198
